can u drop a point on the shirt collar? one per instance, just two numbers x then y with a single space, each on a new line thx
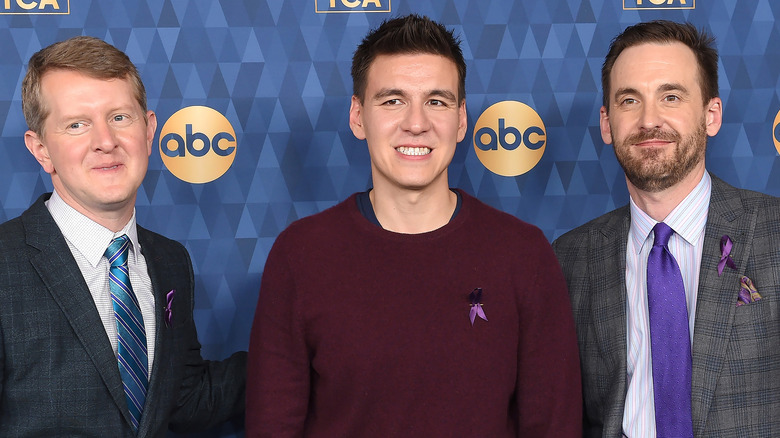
687 219
87 236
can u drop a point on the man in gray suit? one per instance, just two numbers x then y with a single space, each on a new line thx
660 105
91 346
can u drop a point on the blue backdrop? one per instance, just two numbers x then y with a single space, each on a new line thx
278 70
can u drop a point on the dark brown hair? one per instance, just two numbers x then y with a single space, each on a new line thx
664 32
407 35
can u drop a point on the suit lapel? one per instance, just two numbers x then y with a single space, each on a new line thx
62 277
717 295
608 310
163 337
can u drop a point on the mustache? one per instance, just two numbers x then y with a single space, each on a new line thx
655 133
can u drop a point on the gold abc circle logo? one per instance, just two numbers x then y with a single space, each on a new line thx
509 138
775 133
198 144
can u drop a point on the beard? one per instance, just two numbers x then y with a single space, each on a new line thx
648 169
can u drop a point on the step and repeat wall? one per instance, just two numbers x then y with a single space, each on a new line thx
252 99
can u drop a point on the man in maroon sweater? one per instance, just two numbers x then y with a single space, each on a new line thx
412 310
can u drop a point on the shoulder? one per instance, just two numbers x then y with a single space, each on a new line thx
312 241
615 221
147 237
603 235
726 197
35 225
12 230
14 250
159 249
729 203
323 224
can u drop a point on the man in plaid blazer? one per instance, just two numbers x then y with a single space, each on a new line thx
90 130
660 105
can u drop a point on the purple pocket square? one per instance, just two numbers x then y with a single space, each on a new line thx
747 292
168 312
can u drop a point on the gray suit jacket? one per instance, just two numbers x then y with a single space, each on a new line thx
58 372
736 350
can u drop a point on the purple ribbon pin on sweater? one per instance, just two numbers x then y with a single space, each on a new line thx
725 258
169 303
476 305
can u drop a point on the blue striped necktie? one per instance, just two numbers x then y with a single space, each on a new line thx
131 352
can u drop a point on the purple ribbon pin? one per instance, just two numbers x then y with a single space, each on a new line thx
725 258
168 312
476 305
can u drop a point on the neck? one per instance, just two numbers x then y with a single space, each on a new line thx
113 223
658 205
413 212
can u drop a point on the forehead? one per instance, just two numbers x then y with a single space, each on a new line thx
410 69
653 62
74 88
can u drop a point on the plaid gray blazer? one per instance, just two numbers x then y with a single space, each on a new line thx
58 372
736 350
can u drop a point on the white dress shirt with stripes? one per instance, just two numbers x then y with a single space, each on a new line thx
688 221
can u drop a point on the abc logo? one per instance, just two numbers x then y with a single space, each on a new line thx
509 138
197 144
776 132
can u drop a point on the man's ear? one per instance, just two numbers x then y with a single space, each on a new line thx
714 115
38 149
356 119
151 127
606 130
463 121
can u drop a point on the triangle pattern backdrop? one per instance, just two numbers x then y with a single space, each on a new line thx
279 72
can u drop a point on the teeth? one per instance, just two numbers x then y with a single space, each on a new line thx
414 151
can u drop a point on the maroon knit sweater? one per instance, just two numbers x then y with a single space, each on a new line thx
362 332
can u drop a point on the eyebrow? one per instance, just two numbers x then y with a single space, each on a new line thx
388 92
673 87
663 88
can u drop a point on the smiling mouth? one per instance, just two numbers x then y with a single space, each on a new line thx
413 150
109 168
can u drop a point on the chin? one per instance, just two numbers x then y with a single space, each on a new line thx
116 198
415 185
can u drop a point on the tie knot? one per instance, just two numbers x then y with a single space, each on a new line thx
662 234
116 253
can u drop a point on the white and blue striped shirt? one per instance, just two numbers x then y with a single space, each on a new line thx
688 221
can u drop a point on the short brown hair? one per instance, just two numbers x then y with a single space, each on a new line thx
88 55
407 35
664 32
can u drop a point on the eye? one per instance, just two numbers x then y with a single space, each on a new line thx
76 128
121 119
672 98
392 102
628 101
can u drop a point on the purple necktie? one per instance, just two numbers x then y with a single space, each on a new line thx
670 340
